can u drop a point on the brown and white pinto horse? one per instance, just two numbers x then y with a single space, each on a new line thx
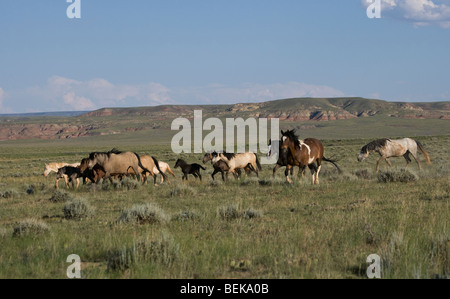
304 154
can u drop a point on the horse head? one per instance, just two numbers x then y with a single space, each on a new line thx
178 163
84 164
94 158
363 154
207 157
289 139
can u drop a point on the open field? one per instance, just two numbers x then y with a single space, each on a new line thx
252 228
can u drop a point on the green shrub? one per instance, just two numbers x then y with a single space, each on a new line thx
30 227
182 191
126 184
164 251
186 215
252 213
233 212
364 174
141 214
77 209
8 193
229 212
404 176
60 196
32 189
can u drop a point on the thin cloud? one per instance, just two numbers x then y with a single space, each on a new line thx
418 12
252 92
62 94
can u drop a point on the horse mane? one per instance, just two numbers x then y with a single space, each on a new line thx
293 137
374 145
113 151
229 156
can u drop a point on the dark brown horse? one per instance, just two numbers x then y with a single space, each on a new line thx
187 169
304 154
94 175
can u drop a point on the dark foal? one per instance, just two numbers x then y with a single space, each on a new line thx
69 174
187 169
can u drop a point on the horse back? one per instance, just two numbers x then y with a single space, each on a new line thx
120 163
315 146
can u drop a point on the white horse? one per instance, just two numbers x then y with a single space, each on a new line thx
394 148
238 161
164 168
55 166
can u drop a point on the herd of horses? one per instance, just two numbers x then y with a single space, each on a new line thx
292 152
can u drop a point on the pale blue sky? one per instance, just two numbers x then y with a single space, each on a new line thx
144 52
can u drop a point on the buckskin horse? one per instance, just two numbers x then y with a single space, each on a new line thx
115 162
305 154
393 148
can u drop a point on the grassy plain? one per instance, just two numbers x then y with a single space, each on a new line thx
251 228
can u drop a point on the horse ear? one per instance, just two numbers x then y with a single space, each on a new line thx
282 133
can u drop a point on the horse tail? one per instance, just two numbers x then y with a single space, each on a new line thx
332 162
170 171
140 164
157 167
202 167
257 162
420 146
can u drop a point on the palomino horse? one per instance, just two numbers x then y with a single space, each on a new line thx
55 166
117 163
237 161
152 164
393 148
222 167
164 167
305 154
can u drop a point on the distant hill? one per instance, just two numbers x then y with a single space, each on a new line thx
305 113
34 114
296 109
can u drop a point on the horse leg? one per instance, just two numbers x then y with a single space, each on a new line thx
389 162
313 170
214 173
286 173
194 174
154 180
275 170
407 158
254 168
66 180
379 161
417 160
319 167
144 179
